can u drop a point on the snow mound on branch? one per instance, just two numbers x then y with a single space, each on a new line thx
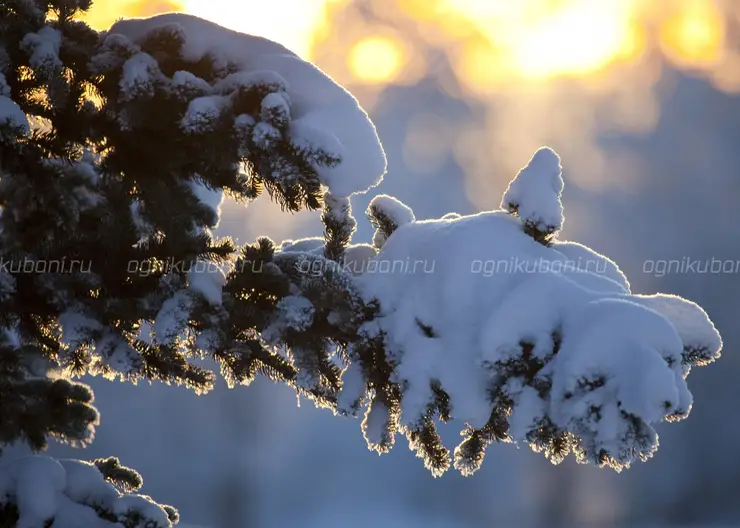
12 115
69 492
308 245
489 296
535 192
317 102
392 208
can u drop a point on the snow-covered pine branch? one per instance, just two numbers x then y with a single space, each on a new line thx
39 490
107 210
525 338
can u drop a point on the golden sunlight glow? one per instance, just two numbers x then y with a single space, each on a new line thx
546 38
494 40
292 23
105 12
376 59
694 34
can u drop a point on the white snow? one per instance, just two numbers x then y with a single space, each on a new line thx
340 209
155 516
691 322
11 115
398 212
248 79
143 227
66 492
187 82
317 101
212 198
357 258
76 327
535 191
207 279
264 134
309 245
172 317
43 48
292 312
295 312
483 287
138 77
375 423
202 114
353 388
392 208
583 258
114 353
275 103
307 137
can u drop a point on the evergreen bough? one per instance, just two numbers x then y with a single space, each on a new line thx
101 167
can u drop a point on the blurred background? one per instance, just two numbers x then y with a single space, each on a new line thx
639 97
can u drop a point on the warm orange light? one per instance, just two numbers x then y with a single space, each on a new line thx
105 12
694 35
292 23
376 59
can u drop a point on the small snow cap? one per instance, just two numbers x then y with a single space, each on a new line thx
547 162
534 194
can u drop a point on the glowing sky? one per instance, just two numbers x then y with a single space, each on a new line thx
503 38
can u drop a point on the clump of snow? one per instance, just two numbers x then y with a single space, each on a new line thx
137 215
250 79
486 297
172 317
114 356
12 116
583 258
202 114
697 332
357 258
139 75
188 83
534 194
275 108
113 52
353 388
295 312
207 279
67 493
292 312
43 48
387 213
76 328
264 135
306 137
321 109
213 198
340 210
375 425
308 245
392 208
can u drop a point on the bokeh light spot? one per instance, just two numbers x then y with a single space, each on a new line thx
376 59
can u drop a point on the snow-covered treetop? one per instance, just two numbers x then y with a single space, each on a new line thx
534 194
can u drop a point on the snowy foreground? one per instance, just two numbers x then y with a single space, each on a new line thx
493 307
487 318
